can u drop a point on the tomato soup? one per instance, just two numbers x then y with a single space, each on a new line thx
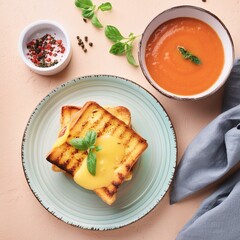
167 65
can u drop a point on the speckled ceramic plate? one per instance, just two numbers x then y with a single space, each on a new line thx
152 175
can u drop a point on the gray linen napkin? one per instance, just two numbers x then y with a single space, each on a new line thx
210 156
218 216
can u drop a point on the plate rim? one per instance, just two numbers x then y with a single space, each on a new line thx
55 91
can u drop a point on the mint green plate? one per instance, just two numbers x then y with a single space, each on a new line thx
152 175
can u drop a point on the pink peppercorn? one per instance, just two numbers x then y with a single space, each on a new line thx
45 51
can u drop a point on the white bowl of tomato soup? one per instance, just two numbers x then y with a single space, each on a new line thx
186 53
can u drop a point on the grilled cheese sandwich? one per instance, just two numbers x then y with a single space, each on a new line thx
121 147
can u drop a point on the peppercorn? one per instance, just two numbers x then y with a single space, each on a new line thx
82 44
42 51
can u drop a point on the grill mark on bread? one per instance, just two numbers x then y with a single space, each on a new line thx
71 160
105 126
115 183
87 123
65 164
95 123
128 167
108 126
121 136
119 181
72 170
115 129
84 124
139 140
110 192
61 165
121 177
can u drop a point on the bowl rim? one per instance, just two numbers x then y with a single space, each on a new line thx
165 92
54 25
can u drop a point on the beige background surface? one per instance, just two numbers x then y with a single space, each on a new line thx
22 217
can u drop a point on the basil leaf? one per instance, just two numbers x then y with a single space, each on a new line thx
84 4
130 57
88 144
182 51
91 163
91 137
87 13
118 48
98 148
105 6
195 60
96 22
188 55
113 33
79 143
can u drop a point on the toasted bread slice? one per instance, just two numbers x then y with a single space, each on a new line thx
120 112
68 111
93 116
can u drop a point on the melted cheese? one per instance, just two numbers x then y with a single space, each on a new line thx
108 159
62 138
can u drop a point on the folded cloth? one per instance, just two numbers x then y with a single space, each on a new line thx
218 216
210 156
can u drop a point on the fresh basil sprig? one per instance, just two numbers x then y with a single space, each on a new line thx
89 10
188 55
88 144
122 45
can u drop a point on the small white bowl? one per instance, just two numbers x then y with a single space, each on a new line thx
37 30
211 20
